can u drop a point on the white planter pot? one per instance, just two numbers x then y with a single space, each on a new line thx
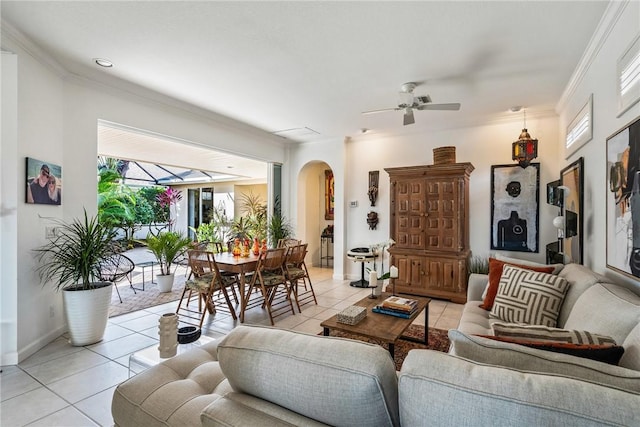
165 282
87 313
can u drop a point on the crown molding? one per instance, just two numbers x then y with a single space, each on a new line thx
11 33
606 25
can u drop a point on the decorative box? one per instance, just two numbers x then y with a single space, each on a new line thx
352 315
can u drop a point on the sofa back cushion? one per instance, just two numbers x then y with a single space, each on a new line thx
581 278
440 389
335 381
606 309
631 357
484 350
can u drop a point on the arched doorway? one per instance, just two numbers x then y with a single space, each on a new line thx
315 213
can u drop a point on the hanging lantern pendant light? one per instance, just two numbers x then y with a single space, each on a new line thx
525 148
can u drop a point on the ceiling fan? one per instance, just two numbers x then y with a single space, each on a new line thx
408 102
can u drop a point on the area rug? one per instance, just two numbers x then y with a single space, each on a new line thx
139 300
438 340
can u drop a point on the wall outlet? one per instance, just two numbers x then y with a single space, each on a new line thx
353 204
49 232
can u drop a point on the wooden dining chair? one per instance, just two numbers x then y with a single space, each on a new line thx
296 271
287 243
206 282
271 278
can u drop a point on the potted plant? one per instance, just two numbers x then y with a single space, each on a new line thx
167 247
73 260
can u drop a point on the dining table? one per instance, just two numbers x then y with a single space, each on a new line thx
241 266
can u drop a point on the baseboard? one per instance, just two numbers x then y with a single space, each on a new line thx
38 344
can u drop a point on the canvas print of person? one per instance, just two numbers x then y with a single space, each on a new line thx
44 182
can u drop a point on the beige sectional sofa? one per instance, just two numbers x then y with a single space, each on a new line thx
259 376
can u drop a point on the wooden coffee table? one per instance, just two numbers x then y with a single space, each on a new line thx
379 326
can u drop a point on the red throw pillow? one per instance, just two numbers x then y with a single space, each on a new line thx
495 272
607 353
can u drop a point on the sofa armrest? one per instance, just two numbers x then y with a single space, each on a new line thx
476 285
446 389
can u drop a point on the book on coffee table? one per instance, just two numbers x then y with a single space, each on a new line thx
391 312
399 303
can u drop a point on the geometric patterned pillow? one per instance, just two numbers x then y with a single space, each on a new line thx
546 334
529 297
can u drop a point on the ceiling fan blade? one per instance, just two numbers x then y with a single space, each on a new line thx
381 111
408 117
451 107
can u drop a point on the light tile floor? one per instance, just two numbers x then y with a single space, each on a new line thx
68 386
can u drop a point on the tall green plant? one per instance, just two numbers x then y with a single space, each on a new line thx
167 247
278 227
73 258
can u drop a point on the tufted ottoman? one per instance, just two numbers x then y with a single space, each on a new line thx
173 393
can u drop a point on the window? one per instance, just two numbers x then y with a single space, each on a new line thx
629 77
580 130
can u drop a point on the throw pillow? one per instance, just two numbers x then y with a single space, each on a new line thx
606 353
551 335
557 268
495 272
529 297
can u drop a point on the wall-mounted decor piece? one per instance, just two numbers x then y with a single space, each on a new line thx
515 193
372 220
572 200
44 182
623 200
329 195
374 176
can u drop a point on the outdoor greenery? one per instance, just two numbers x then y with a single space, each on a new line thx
279 227
216 230
167 246
122 207
73 258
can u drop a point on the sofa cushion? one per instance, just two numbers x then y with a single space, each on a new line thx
581 278
435 388
606 309
317 377
475 320
239 409
557 268
546 334
631 357
172 393
529 297
499 353
495 273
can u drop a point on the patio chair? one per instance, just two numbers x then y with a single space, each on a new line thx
116 268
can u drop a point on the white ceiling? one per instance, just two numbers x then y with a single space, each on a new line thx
318 64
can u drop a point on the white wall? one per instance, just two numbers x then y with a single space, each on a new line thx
57 118
597 76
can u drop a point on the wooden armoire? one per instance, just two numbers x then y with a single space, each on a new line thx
430 225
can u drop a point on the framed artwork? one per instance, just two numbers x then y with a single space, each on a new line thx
515 194
572 181
44 182
623 200
329 197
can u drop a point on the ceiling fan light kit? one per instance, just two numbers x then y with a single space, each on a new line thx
525 148
408 102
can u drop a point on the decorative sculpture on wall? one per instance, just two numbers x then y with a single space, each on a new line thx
372 220
373 186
